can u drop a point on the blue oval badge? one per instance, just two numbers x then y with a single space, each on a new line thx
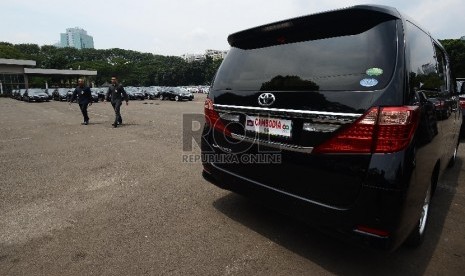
368 82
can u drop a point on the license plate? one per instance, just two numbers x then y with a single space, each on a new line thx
271 126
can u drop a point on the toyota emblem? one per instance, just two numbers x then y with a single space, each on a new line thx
266 99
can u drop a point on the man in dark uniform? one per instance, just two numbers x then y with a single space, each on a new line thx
116 94
84 99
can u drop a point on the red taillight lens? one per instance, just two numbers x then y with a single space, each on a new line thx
212 118
358 138
396 126
462 103
372 231
380 130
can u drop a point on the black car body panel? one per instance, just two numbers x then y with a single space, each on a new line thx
35 95
462 107
322 81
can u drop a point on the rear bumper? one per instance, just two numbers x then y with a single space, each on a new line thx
378 200
340 223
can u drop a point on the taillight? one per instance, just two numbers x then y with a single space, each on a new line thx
372 231
439 104
462 103
358 138
379 130
212 118
396 126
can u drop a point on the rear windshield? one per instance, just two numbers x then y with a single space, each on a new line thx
356 61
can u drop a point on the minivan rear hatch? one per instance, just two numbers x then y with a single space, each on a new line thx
291 85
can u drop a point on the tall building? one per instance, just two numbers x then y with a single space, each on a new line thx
76 38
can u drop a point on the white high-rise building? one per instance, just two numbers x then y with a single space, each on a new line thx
76 38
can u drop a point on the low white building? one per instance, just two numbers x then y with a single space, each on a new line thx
193 57
214 54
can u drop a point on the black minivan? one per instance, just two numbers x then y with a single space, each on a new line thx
345 119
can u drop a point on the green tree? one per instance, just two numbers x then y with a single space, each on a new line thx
132 67
7 50
455 48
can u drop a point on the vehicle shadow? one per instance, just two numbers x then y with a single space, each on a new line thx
335 255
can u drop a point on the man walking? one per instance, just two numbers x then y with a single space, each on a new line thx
116 94
84 99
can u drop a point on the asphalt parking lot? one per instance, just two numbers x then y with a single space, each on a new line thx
82 200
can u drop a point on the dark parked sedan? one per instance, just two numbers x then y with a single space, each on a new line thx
14 93
35 95
61 94
101 93
134 93
333 118
50 92
176 94
94 93
151 93
19 94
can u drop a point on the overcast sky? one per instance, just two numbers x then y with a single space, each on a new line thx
174 27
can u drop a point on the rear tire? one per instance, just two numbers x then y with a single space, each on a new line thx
416 237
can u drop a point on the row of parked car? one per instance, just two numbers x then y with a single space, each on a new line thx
32 94
98 93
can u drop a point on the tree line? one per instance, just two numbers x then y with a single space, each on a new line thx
132 67
145 69
455 48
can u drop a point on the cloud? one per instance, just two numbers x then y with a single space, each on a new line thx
177 27
198 33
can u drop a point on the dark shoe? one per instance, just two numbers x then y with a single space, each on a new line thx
86 123
114 125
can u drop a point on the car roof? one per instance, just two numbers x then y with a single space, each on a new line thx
312 19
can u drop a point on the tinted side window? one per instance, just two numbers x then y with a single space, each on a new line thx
441 69
423 72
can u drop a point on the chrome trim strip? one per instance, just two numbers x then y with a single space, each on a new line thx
369 234
273 144
237 107
280 191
